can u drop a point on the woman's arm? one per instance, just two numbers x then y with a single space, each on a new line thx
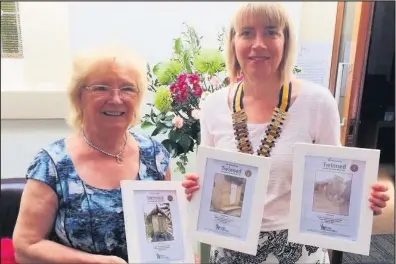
168 176
36 217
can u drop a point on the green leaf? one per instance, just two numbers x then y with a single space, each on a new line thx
160 129
199 138
152 115
170 145
186 142
156 68
160 117
178 46
146 124
167 123
186 61
180 167
169 117
175 135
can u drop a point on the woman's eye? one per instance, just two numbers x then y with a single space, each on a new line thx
129 89
245 33
271 32
99 88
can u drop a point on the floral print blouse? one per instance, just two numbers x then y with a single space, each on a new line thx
88 218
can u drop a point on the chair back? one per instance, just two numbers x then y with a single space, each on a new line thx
11 193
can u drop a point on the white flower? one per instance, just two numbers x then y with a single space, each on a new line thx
196 113
177 121
214 81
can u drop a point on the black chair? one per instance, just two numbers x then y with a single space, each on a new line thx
11 192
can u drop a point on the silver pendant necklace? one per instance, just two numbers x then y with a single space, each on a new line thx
118 157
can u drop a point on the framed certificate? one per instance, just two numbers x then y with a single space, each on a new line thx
228 208
329 201
156 222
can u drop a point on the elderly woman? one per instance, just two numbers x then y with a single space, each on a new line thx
71 209
241 118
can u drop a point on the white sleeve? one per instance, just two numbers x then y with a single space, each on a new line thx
206 137
328 121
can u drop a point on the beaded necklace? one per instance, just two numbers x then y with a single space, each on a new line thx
273 130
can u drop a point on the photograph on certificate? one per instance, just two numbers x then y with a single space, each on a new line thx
159 226
227 194
332 196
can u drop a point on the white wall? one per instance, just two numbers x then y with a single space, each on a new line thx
46 48
317 24
32 93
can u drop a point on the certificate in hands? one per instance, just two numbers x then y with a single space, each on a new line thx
329 205
155 216
228 208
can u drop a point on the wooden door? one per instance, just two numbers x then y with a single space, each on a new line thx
348 64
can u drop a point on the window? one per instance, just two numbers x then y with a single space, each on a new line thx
11 39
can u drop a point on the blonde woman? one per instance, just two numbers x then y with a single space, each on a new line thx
245 117
71 209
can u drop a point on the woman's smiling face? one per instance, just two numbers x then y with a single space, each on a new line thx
259 47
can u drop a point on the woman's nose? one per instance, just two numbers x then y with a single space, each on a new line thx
259 42
116 96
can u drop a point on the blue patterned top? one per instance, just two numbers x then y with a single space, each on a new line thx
88 218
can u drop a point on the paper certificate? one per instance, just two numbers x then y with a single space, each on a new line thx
162 236
227 210
329 205
223 197
156 222
332 196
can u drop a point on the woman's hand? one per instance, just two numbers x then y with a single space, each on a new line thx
378 198
190 183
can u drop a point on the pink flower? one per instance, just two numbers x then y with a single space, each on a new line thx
182 78
193 78
177 121
197 91
196 113
214 81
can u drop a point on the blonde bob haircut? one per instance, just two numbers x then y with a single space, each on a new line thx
86 63
269 14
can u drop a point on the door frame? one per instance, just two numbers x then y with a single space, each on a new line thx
361 34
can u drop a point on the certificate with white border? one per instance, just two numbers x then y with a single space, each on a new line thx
228 208
329 201
155 214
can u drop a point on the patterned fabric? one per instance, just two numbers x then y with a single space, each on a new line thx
88 218
272 248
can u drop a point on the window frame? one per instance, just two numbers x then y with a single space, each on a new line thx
19 54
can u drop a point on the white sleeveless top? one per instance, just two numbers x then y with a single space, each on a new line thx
313 117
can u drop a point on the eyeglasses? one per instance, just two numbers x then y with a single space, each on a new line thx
101 90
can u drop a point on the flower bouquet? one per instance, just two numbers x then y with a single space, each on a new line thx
179 85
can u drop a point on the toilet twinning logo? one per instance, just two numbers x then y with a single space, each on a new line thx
232 169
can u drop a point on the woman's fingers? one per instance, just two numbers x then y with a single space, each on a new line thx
380 195
189 183
375 209
191 190
379 187
191 176
377 202
189 196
